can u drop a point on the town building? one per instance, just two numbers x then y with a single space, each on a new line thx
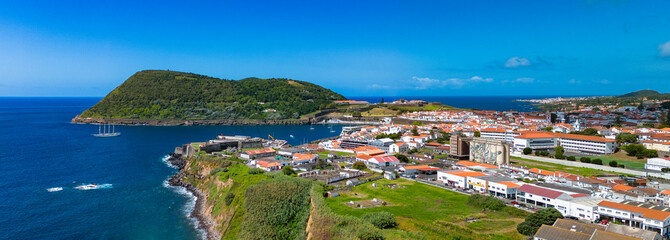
657 163
489 151
635 214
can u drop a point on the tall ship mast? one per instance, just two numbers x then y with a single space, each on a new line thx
104 131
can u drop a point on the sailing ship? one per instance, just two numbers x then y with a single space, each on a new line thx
104 131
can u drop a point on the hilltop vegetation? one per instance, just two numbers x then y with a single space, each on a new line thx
156 94
645 93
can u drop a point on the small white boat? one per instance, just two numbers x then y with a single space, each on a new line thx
54 189
291 136
87 186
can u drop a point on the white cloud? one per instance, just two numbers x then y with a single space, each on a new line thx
664 49
426 83
515 62
525 80
378 86
574 81
604 81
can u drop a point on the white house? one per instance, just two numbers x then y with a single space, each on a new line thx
458 178
398 147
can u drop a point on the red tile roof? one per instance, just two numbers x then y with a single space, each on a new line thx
646 212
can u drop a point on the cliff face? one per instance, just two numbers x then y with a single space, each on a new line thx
165 96
236 202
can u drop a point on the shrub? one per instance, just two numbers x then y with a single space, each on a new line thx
597 161
665 169
288 170
585 160
229 198
560 156
218 170
533 222
255 171
381 220
488 202
527 150
613 163
369 235
359 165
571 158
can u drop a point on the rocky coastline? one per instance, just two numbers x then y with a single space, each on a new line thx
204 221
178 122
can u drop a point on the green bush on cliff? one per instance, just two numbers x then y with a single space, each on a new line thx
154 94
255 171
277 208
229 198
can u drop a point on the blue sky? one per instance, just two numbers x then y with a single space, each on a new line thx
357 48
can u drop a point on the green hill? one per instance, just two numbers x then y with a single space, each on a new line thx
641 93
156 94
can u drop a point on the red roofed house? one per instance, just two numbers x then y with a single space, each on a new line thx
258 153
383 161
302 158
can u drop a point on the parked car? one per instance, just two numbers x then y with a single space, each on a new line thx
604 222
514 202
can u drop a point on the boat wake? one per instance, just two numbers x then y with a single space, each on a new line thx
54 189
93 186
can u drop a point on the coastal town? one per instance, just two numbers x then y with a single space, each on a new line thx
604 168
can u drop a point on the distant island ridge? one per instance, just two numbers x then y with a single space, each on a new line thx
158 97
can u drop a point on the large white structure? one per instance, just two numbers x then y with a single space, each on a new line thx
657 163
489 151
568 203
536 141
585 144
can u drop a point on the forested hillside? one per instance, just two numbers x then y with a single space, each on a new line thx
156 94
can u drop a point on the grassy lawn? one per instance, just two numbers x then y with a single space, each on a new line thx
428 107
428 212
557 167
379 112
621 157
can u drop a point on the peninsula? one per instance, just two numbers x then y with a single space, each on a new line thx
157 97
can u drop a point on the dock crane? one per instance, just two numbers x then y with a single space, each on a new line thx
270 137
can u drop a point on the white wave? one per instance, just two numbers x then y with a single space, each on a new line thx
54 189
165 160
189 207
93 186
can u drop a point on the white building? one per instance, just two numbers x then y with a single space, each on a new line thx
398 147
458 178
635 215
494 185
537 141
657 163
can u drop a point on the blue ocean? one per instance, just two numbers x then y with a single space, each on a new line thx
41 149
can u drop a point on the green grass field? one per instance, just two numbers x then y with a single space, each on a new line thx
428 212
627 163
557 167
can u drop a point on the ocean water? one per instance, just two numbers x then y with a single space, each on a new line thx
495 103
41 150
